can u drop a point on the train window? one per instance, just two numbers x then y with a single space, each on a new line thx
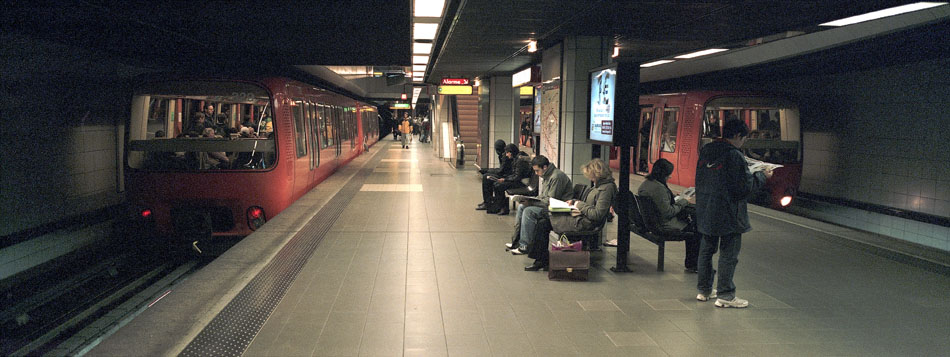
320 122
299 128
668 138
172 127
774 129
712 126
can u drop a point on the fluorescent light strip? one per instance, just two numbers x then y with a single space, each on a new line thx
656 63
883 13
428 8
424 31
420 59
421 48
418 68
702 53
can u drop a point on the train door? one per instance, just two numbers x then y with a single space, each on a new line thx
302 162
314 138
643 152
667 130
337 129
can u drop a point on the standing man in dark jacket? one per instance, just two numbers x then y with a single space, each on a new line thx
723 184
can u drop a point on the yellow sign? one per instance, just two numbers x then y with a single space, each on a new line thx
451 90
527 90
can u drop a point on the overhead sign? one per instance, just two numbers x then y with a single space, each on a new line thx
455 81
400 106
526 90
452 90
602 88
530 75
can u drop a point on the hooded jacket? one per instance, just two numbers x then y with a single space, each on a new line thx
723 185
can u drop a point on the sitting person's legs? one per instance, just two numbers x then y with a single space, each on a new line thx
530 218
688 214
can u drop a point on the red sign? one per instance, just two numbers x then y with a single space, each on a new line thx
403 96
455 81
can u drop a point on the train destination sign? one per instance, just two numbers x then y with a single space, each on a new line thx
400 106
450 90
455 81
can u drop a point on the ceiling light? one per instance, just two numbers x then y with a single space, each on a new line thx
419 68
424 31
478 82
429 8
702 53
420 59
883 13
616 52
421 48
656 63
533 46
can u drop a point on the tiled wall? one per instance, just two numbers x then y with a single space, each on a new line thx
881 137
58 143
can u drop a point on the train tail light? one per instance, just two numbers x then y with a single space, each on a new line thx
255 217
785 201
146 213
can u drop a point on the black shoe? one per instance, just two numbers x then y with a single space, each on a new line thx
535 267
481 207
692 271
492 211
503 212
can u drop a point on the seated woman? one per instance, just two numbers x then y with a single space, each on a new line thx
675 214
593 207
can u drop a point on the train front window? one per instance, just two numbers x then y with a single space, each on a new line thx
774 127
668 140
201 125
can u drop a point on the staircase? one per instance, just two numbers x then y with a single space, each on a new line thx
468 125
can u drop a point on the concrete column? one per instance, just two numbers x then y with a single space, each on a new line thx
581 54
501 114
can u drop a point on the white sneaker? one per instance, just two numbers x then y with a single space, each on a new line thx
735 302
509 245
611 243
519 251
702 297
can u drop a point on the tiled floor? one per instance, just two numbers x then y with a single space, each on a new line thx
412 269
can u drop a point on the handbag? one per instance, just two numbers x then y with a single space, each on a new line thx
567 261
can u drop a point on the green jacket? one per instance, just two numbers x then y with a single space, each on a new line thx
594 205
555 184
662 198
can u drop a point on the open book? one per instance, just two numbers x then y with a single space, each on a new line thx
687 194
756 165
557 205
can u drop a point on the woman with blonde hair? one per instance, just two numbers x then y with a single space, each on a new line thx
594 203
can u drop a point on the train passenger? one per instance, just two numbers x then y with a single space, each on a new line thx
723 185
216 159
533 213
491 175
198 125
520 170
676 214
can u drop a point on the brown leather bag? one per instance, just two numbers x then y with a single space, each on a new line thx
567 261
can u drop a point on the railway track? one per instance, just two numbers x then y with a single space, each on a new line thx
64 309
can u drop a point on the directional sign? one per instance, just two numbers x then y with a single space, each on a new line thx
455 81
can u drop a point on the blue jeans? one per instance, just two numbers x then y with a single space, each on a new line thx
530 217
728 246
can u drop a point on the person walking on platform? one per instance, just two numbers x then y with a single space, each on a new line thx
723 185
405 130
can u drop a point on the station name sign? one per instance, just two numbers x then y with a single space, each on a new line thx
455 82
454 90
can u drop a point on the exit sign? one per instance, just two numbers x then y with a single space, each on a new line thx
400 106
455 81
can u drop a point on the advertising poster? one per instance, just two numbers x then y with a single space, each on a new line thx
602 89
550 121
537 112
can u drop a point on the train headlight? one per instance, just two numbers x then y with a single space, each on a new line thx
785 201
255 217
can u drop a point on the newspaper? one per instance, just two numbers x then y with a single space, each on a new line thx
756 165
687 194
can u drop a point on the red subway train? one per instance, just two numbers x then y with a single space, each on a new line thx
219 157
674 126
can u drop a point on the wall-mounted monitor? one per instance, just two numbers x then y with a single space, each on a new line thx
603 89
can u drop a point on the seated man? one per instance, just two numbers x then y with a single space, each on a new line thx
216 159
489 176
675 214
534 212
521 170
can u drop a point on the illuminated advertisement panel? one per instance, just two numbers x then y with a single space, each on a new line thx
603 86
